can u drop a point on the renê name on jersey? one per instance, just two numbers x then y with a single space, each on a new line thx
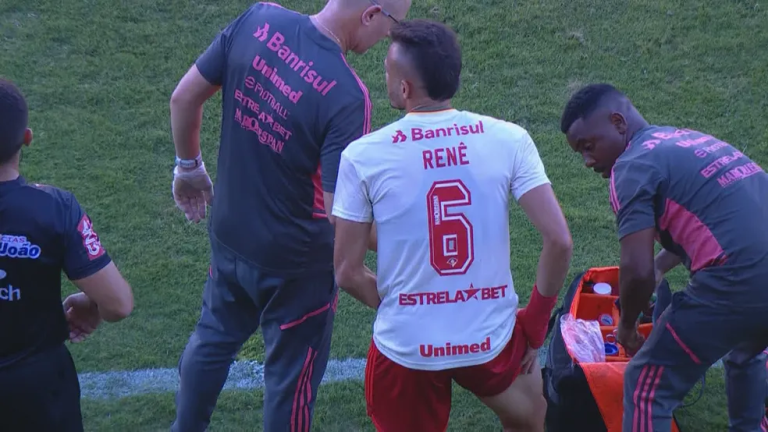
13 246
458 296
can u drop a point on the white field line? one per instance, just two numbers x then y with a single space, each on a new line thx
243 375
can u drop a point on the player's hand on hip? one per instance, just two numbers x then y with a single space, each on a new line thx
82 316
530 362
192 190
535 330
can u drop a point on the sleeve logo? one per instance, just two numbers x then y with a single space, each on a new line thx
90 238
262 33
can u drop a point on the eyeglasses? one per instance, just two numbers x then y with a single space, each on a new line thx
387 14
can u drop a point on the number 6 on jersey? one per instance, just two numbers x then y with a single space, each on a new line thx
451 249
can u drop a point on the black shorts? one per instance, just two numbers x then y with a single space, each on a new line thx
42 393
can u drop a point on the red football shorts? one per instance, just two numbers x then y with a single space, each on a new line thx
400 399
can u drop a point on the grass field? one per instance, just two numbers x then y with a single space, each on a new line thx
98 75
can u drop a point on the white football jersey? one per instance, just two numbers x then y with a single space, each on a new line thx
438 186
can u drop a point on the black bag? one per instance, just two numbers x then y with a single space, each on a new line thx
570 405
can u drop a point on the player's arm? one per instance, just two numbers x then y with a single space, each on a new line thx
199 84
109 291
354 218
636 186
90 268
664 262
543 210
532 190
373 239
350 122
187 109
201 81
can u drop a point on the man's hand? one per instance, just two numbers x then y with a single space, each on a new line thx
630 339
534 318
530 362
82 316
192 190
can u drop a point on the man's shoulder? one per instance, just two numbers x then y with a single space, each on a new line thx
274 10
497 123
655 139
389 134
348 88
367 152
45 204
655 147
266 17
49 192
639 163
305 55
500 130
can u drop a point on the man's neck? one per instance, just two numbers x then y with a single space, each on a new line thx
427 105
8 173
636 125
330 23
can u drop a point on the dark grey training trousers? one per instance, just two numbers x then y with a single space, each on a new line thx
296 318
688 338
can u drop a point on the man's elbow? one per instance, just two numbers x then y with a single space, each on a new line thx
178 99
635 273
561 244
344 276
347 274
119 311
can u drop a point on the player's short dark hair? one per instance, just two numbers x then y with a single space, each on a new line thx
584 102
14 116
434 51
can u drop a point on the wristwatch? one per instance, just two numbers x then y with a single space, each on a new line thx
189 163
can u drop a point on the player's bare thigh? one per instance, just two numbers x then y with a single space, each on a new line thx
521 407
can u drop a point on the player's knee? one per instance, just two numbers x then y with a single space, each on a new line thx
743 359
533 421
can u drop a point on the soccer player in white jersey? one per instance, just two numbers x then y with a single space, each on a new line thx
437 185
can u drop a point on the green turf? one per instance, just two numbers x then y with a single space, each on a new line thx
343 410
98 75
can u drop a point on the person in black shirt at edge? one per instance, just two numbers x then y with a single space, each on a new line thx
43 230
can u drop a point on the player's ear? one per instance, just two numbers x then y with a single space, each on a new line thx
619 122
369 14
27 137
406 89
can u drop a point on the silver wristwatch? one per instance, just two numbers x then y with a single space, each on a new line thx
189 163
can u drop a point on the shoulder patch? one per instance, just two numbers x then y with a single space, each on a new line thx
91 240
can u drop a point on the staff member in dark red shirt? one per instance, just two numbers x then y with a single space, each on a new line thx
290 105
43 230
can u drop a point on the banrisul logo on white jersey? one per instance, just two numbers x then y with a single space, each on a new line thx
13 246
